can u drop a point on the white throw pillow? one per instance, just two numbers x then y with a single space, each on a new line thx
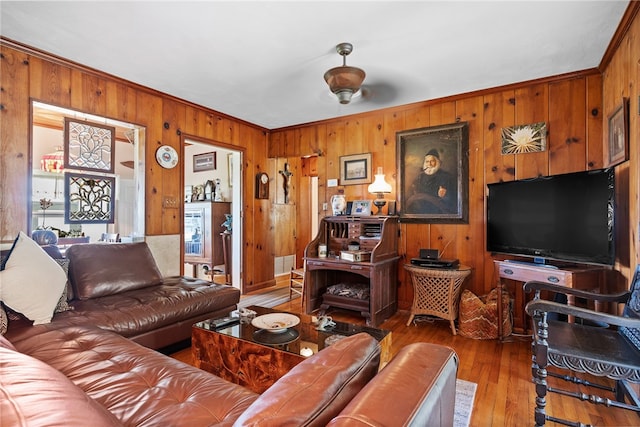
31 282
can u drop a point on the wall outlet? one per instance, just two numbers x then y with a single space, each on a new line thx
332 182
325 206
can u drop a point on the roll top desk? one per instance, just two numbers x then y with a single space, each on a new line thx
375 235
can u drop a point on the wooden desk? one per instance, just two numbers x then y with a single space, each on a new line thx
376 234
585 278
381 276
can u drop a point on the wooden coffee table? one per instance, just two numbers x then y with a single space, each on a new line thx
254 358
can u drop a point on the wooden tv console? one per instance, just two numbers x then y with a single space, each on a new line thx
578 277
377 234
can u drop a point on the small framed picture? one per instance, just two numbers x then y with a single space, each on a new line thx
355 169
617 143
361 208
204 162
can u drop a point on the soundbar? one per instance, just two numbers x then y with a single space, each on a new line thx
435 263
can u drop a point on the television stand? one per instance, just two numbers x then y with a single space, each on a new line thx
586 278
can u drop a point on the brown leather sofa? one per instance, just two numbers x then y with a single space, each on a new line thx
118 287
82 375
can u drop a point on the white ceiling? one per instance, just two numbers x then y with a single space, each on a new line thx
263 61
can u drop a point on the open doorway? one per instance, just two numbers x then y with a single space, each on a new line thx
212 236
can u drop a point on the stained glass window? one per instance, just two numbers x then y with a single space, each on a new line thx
88 146
90 199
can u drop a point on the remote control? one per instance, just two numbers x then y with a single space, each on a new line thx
218 323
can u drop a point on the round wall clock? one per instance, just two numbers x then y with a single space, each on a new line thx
167 157
262 186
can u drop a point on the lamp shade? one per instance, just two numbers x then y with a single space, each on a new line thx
53 162
379 185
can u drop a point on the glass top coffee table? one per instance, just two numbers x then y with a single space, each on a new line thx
256 357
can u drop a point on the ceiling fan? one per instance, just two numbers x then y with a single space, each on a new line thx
346 82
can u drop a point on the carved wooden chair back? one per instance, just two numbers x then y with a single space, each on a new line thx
596 343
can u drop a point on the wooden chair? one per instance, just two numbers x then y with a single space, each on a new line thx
110 237
296 282
600 344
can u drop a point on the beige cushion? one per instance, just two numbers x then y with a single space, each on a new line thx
31 282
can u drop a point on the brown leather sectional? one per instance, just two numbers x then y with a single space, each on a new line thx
118 287
80 375
87 366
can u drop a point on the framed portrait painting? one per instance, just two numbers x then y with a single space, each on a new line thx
433 174
617 143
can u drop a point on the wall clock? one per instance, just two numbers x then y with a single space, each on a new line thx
167 157
262 186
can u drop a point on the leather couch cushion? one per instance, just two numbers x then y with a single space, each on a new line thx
317 389
419 382
5 343
138 385
139 311
100 269
34 394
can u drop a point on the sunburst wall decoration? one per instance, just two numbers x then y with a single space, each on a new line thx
524 138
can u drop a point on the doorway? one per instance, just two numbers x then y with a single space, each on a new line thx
212 180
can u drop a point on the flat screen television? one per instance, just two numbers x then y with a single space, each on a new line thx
568 217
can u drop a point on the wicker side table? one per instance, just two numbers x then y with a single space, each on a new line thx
436 292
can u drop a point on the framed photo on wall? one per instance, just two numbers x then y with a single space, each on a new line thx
355 169
617 143
204 162
433 174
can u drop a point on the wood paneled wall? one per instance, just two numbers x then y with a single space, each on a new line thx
575 107
27 74
621 79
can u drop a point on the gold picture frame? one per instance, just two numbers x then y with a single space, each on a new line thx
616 148
433 174
355 169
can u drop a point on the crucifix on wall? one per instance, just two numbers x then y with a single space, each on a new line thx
286 185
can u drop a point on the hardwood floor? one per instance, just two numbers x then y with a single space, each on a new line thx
505 394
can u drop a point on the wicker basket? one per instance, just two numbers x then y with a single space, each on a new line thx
479 315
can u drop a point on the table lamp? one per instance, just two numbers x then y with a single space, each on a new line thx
379 187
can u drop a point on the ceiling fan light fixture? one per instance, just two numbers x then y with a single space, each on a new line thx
344 81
